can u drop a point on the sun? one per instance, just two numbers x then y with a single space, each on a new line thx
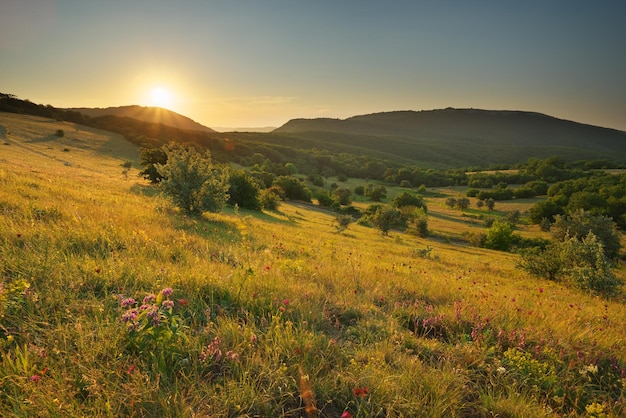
160 97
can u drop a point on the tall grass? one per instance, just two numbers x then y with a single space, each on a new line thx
274 314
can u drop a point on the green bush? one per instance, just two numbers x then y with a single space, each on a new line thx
192 181
499 236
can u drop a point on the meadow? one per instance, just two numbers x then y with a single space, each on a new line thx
114 303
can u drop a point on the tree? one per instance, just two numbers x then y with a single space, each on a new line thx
385 217
462 203
342 222
192 181
342 195
451 202
150 158
408 199
243 190
490 203
269 199
499 236
375 193
480 203
546 209
293 188
417 224
579 223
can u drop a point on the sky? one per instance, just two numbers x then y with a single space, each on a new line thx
257 63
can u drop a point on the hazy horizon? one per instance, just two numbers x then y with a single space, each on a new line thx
260 64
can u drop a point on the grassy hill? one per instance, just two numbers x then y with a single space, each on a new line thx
467 136
147 114
269 314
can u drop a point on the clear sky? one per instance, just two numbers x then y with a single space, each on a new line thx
245 63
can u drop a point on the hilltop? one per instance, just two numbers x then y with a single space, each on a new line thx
147 114
470 135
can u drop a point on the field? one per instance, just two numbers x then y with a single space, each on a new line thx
113 303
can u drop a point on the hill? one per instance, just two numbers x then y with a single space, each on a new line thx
146 114
269 314
467 135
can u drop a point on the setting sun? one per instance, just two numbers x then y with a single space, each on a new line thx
160 97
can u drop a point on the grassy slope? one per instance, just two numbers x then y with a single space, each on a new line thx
308 311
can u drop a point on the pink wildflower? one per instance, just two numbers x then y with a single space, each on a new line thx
167 291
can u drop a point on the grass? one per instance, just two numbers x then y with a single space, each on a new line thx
274 314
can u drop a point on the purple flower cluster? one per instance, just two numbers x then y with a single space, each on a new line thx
153 314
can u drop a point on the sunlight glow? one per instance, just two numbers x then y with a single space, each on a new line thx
160 97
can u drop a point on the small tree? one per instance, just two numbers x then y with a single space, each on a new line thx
418 223
408 199
462 203
375 193
480 204
385 217
342 222
150 158
490 203
269 199
579 223
342 195
192 181
243 190
499 236
451 202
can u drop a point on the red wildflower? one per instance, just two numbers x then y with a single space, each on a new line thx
346 414
360 392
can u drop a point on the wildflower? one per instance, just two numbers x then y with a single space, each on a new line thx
150 298
130 315
167 304
346 414
213 350
232 356
541 290
285 301
501 370
167 291
183 302
153 315
127 302
253 338
34 378
360 392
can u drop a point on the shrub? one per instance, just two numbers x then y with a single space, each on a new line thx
408 199
293 188
385 218
243 190
579 223
269 199
150 158
324 198
417 224
60 133
191 180
375 193
342 222
359 190
499 236
342 195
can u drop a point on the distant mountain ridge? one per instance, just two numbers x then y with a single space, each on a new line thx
497 127
147 114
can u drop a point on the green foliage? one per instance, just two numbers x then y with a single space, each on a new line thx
359 190
546 209
342 222
490 203
375 193
191 180
324 198
269 199
417 222
409 199
462 203
342 196
451 202
580 262
243 190
150 158
385 218
499 236
579 223
293 188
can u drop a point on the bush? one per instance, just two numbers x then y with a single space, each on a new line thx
499 236
60 133
580 262
579 223
243 190
417 224
293 188
150 158
342 222
375 193
191 180
385 218
342 195
408 199
269 199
